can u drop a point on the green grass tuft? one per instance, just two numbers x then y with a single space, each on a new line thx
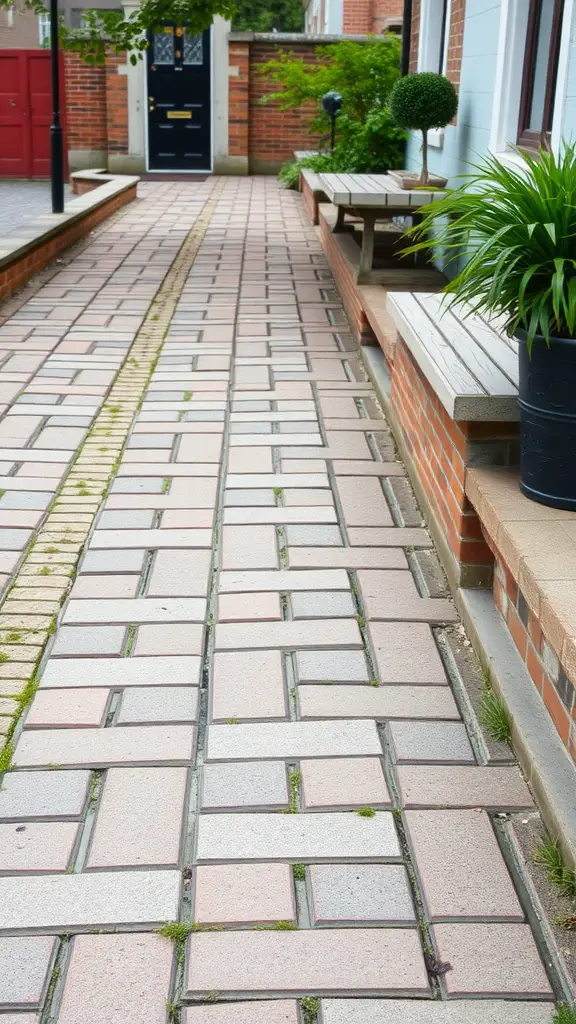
299 872
294 787
549 855
494 716
366 812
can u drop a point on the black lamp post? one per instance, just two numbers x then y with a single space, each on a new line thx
56 141
332 101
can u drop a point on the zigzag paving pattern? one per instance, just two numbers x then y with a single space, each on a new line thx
242 718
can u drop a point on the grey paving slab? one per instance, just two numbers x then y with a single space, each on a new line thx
494 788
298 837
143 609
380 702
335 666
150 539
88 640
291 740
154 704
415 1011
90 900
118 561
491 959
283 580
431 741
256 635
138 745
117 979
406 653
251 785
118 673
43 796
299 962
357 893
25 962
316 604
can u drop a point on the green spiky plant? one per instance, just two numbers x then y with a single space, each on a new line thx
514 230
564 1014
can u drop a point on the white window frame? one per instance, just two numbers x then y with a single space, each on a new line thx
44 29
429 43
430 38
509 75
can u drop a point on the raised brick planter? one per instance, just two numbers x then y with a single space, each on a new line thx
36 242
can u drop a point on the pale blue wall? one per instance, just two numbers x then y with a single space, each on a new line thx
569 127
470 137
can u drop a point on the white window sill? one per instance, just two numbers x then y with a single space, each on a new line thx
510 159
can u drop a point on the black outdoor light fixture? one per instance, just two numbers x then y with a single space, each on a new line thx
332 102
56 141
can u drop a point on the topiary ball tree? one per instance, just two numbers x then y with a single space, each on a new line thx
422 101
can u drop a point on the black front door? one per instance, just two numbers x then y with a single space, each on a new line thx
179 115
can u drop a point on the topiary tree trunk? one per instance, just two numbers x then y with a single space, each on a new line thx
424 174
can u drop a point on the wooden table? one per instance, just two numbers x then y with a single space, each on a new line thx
373 197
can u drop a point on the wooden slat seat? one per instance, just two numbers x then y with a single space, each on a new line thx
470 363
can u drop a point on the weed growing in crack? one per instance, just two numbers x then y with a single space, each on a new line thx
4 657
494 714
46 571
178 931
165 485
374 682
278 926
564 1014
366 812
213 996
549 855
361 621
294 791
299 872
187 396
231 721
310 1007
6 755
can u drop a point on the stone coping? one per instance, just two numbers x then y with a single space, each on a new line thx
538 545
294 38
36 231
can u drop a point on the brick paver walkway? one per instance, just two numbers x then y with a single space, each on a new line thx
244 720
22 199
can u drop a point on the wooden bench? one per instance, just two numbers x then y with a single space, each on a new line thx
312 192
472 366
453 406
379 197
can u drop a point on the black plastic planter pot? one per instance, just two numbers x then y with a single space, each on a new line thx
547 400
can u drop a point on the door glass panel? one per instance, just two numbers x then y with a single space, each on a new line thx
542 55
164 47
193 50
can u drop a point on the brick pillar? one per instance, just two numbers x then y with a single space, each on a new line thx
85 92
116 103
239 100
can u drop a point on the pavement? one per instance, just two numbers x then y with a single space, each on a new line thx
243 791
22 199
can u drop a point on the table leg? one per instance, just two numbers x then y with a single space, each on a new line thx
367 252
340 214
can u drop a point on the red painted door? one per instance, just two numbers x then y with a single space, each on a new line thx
26 113
14 120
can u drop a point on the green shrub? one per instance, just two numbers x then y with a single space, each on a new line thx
367 139
423 101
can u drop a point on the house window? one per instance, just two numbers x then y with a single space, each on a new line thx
540 71
44 29
434 35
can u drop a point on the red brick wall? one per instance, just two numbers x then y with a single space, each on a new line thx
441 449
274 134
547 674
383 11
357 17
415 36
85 90
456 39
